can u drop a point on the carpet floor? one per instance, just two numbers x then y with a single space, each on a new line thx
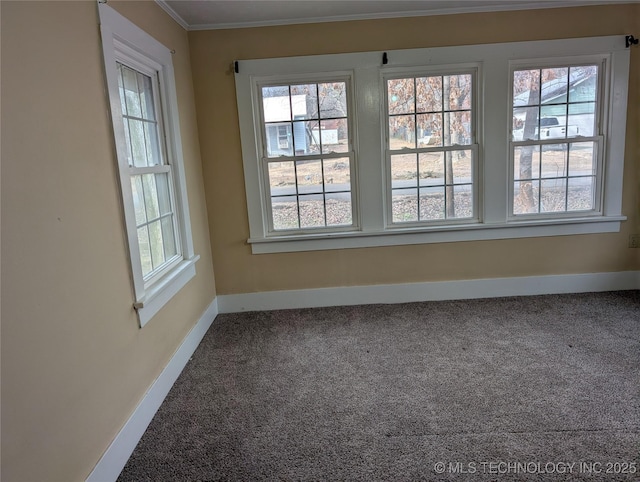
524 388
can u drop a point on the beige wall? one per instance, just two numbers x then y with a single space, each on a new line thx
238 271
74 362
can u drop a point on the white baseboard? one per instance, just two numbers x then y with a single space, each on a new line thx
430 291
116 456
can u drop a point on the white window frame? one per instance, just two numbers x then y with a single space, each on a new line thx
598 137
460 69
345 77
124 42
494 130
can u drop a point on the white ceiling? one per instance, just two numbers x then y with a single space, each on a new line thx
216 14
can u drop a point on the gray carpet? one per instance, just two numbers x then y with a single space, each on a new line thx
498 389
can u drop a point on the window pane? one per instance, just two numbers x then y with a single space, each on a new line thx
431 168
582 119
402 132
457 128
156 243
152 148
401 96
525 197
429 92
169 237
123 101
127 139
584 83
429 130
404 171
461 164
554 160
311 211
145 250
138 143
552 126
581 193
279 140
131 92
309 174
337 175
526 87
150 196
276 104
282 178
553 193
525 123
582 159
304 98
554 85
146 98
339 209
431 203
333 99
404 205
285 212
334 136
306 138
459 91
164 197
462 201
138 200
526 162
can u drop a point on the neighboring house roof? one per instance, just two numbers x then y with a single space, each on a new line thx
555 88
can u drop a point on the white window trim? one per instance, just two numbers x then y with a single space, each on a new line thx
121 35
494 141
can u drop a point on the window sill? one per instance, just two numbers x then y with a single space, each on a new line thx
438 234
166 288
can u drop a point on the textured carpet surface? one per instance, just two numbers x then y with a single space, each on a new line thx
496 389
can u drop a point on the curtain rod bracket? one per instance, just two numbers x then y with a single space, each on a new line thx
236 67
385 59
630 40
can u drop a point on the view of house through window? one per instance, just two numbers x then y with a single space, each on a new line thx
430 147
555 143
151 183
308 155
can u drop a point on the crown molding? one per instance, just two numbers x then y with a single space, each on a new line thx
528 5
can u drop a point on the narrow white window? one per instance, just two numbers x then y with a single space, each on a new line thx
307 158
432 155
144 114
556 140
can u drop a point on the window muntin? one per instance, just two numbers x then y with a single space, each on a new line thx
555 146
308 156
151 175
431 151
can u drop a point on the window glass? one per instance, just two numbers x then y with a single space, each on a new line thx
308 124
431 115
551 104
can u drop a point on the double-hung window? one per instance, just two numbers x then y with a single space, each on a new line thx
556 145
307 156
433 145
141 87
431 149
